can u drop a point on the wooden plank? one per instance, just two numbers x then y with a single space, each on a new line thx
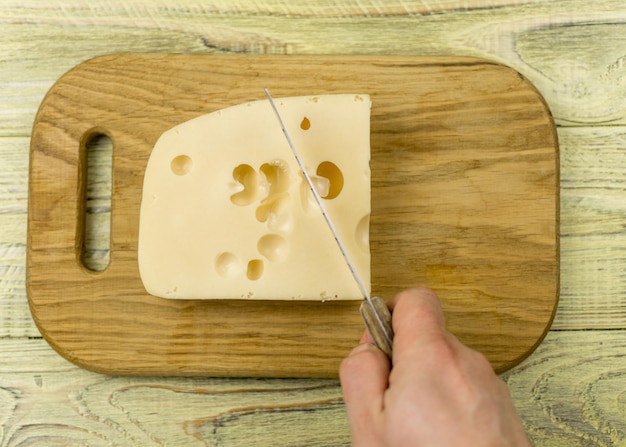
570 391
15 319
567 394
451 209
48 401
593 242
582 81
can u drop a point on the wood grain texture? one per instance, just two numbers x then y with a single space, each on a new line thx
593 218
571 50
15 319
569 393
464 177
547 41
96 410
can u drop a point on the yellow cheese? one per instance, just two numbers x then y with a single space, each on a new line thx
227 214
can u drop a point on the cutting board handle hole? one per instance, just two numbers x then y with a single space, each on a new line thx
97 167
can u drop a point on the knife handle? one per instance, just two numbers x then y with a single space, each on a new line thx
373 326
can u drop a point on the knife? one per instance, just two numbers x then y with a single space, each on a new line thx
374 311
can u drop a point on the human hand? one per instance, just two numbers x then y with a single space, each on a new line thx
438 393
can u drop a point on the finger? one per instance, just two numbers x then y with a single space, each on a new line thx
417 318
417 305
364 378
367 338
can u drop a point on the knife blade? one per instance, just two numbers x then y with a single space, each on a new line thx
373 310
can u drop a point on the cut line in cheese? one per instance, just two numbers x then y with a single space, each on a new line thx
227 214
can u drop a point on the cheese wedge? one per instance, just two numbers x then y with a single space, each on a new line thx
227 214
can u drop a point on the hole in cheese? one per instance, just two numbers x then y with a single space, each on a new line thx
249 179
330 171
321 185
255 269
277 176
277 201
227 265
181 165
362 233
273 208
274 247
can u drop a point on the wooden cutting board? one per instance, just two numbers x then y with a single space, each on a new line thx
464 200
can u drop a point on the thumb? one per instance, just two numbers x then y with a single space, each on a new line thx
364 378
